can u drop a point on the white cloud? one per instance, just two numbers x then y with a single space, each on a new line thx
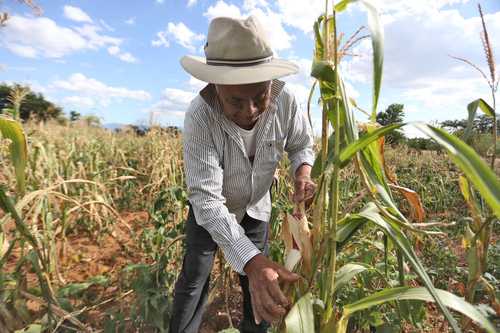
300 16
174 102
130 21
97 91
222 9
124 56
106 26
94 39
24 51
252 4
181 34
127 57
417 68
191 3
196 84
161 39
160 1
33 37
78 101
300 83
271 21
76 14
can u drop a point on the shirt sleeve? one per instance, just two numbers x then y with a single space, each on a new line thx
299 144
204 177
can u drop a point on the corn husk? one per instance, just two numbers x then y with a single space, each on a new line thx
297 239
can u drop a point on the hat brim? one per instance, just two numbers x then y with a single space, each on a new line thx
273 69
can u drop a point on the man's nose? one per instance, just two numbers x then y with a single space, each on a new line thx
252 107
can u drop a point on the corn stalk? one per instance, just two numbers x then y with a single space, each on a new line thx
345 146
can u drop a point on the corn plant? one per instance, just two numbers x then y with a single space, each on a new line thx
478 234
317 308
13 131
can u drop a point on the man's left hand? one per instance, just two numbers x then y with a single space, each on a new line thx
304 186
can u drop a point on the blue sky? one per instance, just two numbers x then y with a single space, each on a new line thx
119 60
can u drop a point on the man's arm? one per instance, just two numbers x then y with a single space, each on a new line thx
204 182
299 143
300 152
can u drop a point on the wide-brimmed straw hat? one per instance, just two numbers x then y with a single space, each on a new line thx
237 52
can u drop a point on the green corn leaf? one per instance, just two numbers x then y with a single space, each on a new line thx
33 328
347 227
377 37
300 319
472 109
8 207
342 5
319 47
348 152
13 131
74 289
405 293
317 166
471 164
393 231
346 273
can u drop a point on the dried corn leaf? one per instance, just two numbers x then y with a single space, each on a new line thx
414 200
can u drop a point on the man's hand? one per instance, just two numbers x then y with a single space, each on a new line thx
264 275
304 186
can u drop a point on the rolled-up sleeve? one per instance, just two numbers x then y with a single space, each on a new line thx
300 142
204 177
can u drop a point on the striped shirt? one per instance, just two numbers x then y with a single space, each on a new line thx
222 183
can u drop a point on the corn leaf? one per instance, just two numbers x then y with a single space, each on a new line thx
346 228
33 328
413 199
472 110
346 273
342 5
406 293
393 231
74 289
300 319
348 152
377 37
471 164
13 131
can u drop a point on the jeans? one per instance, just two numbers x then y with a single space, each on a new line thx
191 288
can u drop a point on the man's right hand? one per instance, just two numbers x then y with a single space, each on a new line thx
268 301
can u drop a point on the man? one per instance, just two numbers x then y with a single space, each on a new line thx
235 133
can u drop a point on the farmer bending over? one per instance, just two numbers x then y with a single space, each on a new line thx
235 133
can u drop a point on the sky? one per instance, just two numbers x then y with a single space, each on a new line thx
119 60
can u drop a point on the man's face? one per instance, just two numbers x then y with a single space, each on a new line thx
244 104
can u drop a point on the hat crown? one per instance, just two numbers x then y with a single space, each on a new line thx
236 40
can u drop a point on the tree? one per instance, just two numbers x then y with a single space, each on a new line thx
74 116
34 106
392 115
91 120
482 124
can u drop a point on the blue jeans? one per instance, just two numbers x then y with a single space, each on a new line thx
191 288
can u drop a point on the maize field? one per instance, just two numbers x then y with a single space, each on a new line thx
396 239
